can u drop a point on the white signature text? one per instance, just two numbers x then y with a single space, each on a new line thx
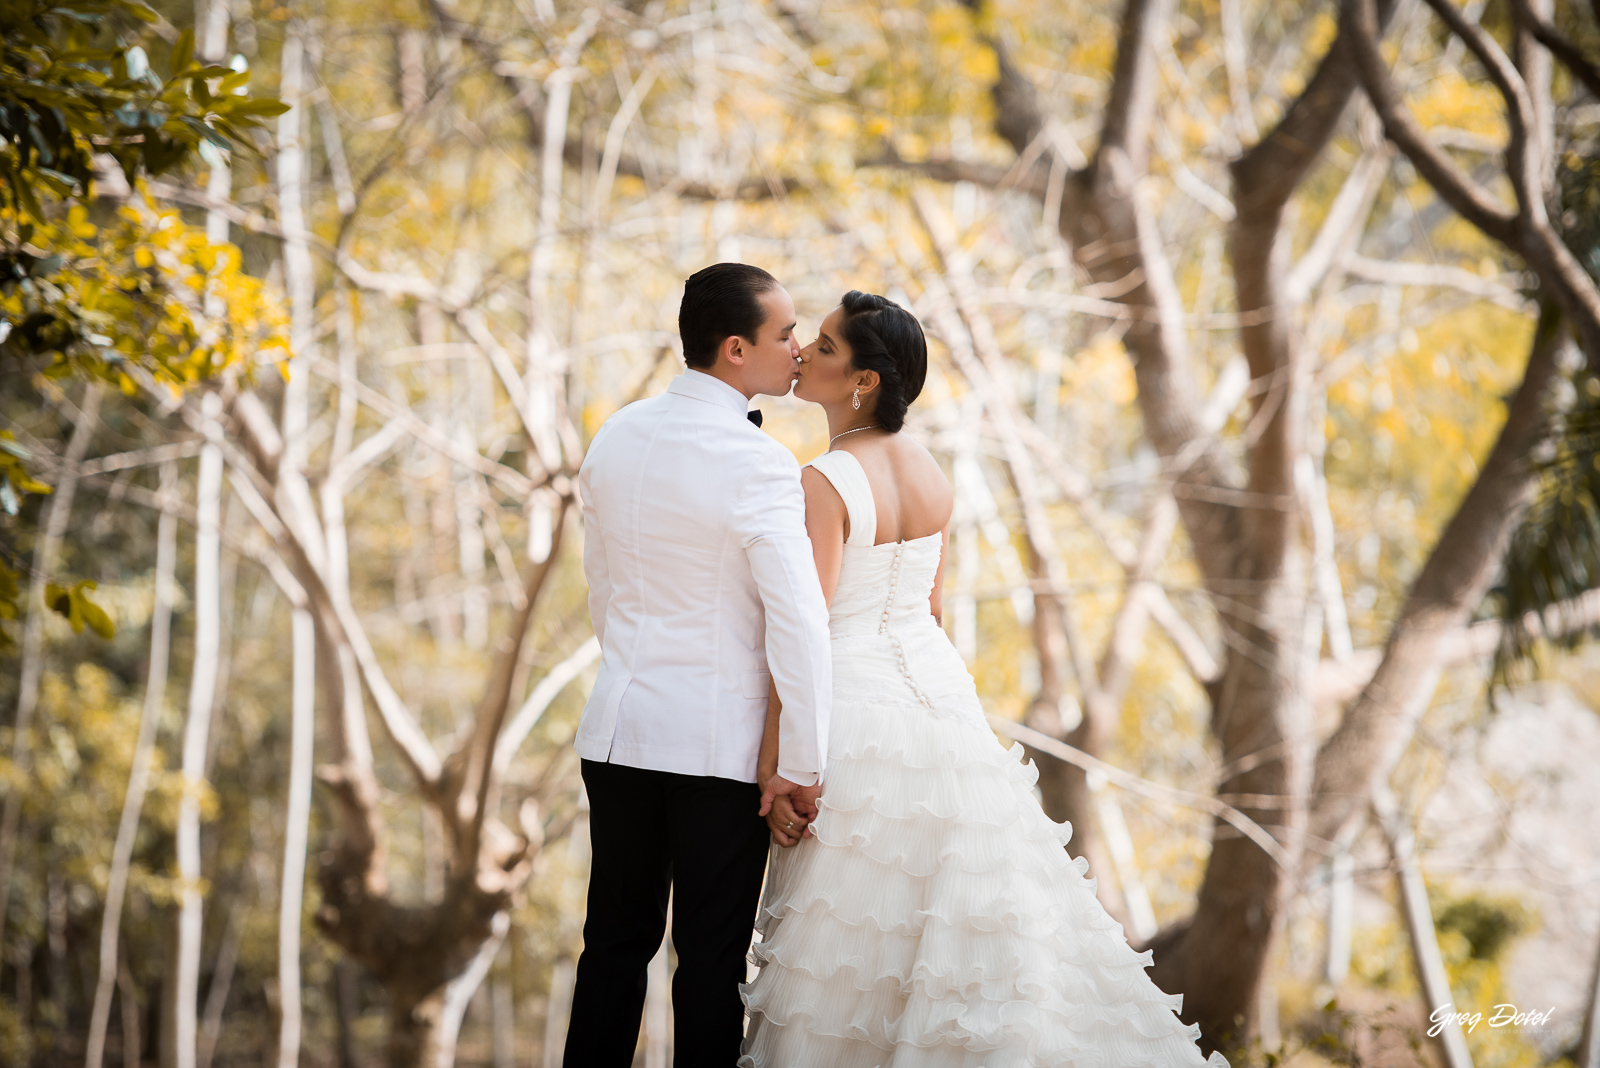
1503 1016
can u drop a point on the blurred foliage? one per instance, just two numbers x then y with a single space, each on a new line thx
1476 930
1488 923
74 85
82 745
81 298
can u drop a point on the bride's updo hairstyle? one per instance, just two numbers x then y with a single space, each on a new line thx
885 338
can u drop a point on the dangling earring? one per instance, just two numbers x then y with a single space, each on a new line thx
855 399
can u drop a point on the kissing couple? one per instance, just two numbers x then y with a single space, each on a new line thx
777 697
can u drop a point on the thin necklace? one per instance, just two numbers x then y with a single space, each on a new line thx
842 433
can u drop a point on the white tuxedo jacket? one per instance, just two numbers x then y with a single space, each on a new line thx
702 587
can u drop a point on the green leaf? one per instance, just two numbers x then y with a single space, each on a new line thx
266 107
7 444
207 132
235 79
183 52
30 203
59 600
64 184
96 618
74 604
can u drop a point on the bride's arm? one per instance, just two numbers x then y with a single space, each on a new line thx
767 762
787 825
827 524
936 598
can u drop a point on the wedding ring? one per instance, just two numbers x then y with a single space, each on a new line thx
790 826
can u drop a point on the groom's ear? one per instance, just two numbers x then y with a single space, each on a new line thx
732 347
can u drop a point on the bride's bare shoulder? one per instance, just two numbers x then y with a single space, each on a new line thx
913 460
904 472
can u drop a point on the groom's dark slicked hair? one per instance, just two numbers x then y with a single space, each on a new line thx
720 302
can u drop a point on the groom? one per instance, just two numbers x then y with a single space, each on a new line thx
703 592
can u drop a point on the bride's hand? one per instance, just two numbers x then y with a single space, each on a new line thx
787 825
804 800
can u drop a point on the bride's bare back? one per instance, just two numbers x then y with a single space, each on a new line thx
912 496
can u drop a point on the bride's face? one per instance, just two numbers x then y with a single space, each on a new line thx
826 377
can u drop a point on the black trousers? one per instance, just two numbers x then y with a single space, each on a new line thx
701 837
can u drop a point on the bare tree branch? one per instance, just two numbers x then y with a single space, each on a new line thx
1564 50
533 708
1528 166
1349 212
1337 681
299 539
1144 787
514 482
1359 25
1434 275
476 760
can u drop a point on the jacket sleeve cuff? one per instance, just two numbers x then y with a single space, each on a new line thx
800 778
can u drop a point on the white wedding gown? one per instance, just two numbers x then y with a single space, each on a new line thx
935 920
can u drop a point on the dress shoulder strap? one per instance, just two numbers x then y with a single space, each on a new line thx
844 471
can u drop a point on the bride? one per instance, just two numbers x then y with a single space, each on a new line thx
931 916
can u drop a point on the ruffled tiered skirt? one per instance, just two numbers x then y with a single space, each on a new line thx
936 919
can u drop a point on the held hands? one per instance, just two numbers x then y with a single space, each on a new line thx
789 809
787 825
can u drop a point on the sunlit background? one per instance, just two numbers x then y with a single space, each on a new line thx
296 468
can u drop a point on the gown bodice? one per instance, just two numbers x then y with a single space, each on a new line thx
886 643
882 588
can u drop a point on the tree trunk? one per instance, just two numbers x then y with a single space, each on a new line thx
301 285
346 1009
503 1021
139 775
197 726
557 1010
221 982
296 828
128 991
213 48
1261 714
424 1019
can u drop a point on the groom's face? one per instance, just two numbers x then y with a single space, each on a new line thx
768 361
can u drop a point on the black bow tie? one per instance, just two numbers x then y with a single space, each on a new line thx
754 415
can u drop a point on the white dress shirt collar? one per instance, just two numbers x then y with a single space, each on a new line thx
709 388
